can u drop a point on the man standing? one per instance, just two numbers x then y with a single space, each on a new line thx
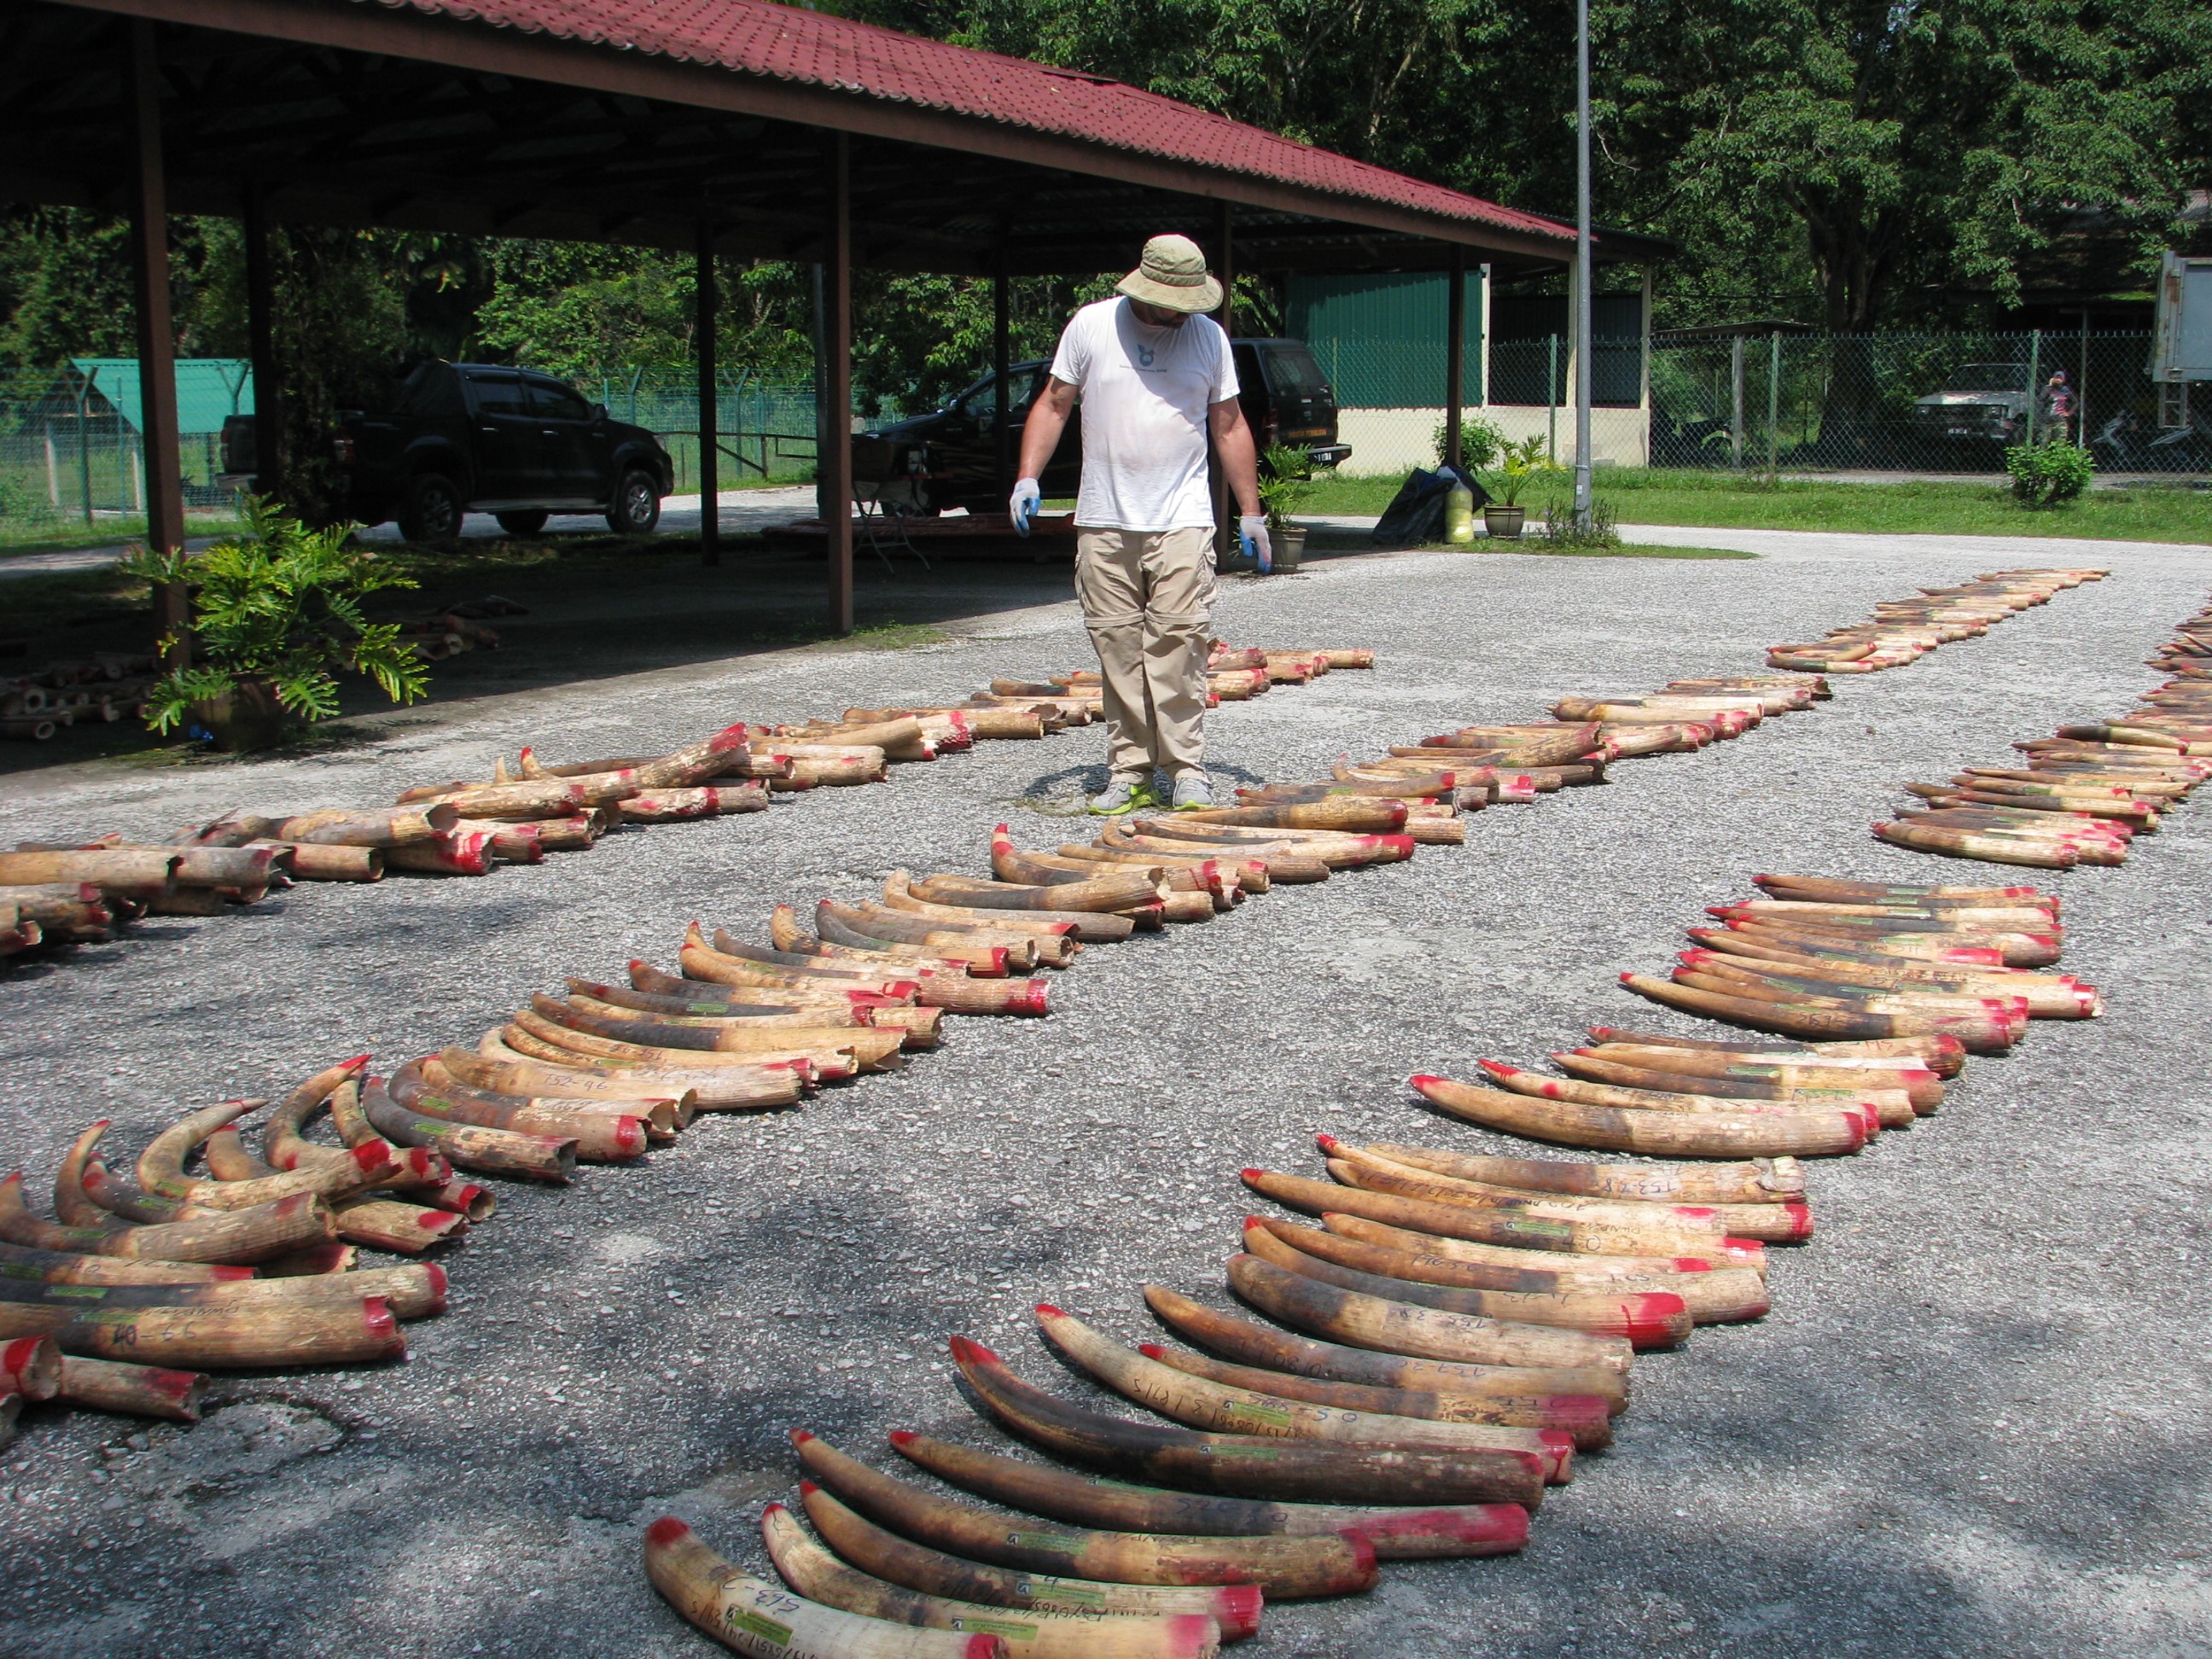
1156 377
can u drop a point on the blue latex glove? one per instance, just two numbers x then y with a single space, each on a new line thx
1021 506
1252 538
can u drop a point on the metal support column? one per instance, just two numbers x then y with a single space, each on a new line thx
157 344
1585 367
1002 428
709 296
2034 382
1735 402
837 392
261 346
1552 401
1455 359
1773 403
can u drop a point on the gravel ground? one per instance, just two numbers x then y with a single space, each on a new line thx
1973 1424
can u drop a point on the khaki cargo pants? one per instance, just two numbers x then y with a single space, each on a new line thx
1148 598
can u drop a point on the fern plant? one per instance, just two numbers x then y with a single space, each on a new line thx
282 606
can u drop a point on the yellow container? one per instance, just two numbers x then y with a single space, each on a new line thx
1459 516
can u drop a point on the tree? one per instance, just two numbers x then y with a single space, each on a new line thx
1911 148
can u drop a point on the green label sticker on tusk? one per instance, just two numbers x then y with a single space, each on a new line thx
758 1624
1005 1627
1274 1416
82 1292
1038 1540
1073 1594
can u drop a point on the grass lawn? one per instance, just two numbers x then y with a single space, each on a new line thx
2165 513
1625 550
63 535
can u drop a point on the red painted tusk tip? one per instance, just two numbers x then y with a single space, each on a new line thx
1046 1310
903 1436
666 1531
801 1436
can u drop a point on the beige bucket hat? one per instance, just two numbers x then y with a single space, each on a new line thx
1172 275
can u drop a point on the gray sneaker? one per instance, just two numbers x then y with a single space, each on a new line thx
1194 793
1124 795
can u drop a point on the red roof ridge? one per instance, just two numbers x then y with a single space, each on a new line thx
785 42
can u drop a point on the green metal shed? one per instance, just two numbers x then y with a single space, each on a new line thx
210 390
1376 337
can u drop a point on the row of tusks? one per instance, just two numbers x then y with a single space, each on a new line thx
86 892
1870 994
2088 790
1458 1325
1515 761
1410 1376
1904 630
248 1259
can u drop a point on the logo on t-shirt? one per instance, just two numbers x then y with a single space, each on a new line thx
1144 356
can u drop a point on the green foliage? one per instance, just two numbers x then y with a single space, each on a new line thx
919 340
1518 466
1285 479
2049 475
1562 535
1822 159
1480 441
584 313
281 603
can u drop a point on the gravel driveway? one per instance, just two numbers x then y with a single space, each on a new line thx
1974 1423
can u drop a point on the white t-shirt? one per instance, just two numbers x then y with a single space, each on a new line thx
1146 392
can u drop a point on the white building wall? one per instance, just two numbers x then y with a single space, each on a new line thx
1394 441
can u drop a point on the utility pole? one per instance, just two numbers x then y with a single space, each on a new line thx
1585 365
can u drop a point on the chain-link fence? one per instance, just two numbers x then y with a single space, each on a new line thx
1917 403
71 456
1909 403
766 433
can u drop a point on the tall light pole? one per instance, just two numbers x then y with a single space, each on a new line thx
1583 366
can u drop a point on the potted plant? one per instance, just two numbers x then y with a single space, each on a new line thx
1285 479
276 613
1517 464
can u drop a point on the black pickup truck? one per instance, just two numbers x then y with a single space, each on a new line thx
482 438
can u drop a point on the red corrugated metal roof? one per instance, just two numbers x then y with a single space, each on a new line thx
752 37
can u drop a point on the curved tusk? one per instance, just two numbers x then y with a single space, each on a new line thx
814 1572
1282 1566
756 1617
1235 1608
1042 1489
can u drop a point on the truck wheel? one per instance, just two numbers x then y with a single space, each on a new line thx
636 508
524 523
432 510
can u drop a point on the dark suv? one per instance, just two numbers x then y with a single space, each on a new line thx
1284 397
484 438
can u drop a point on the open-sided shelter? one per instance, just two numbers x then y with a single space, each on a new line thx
721 126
